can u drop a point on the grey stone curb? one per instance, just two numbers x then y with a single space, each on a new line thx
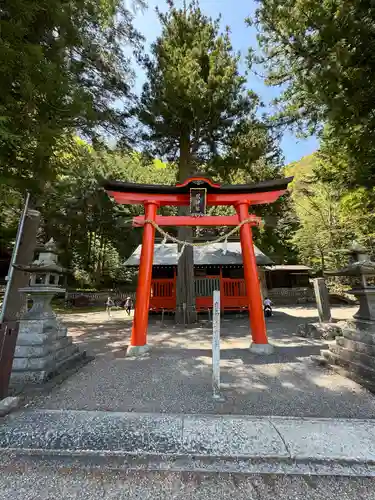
194 442
176 463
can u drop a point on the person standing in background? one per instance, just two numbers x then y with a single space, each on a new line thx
128 305
109 304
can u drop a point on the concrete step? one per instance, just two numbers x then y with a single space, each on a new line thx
358 372
356 357
355 345
192 443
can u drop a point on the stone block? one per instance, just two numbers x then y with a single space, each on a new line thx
37 326
312 439
9 404
24 377
45 362
359 325
41 350
35 339
364 375
25 364
326 331
354 345
359 336
38 377
356 357
231 437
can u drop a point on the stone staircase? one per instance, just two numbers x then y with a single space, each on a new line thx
353 354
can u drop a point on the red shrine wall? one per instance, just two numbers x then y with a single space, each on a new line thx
229 280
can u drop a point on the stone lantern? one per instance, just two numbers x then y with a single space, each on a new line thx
45 275
355 350
360 266
43 348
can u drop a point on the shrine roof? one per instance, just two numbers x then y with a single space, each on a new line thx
212 255
198 181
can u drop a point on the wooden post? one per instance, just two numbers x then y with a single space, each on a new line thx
258 325
322 300
216 347
221 289
138 341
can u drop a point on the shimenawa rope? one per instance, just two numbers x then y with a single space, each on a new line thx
223 237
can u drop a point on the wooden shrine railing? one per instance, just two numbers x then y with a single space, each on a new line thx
233 293
163 294
204 289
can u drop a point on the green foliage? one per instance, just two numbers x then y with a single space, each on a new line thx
62 67
95 234
321 53
329 217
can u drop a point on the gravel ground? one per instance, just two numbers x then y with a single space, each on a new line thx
17 483
176 376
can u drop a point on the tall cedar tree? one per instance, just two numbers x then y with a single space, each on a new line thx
62 67
192 104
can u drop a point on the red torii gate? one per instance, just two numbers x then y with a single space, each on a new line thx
197 191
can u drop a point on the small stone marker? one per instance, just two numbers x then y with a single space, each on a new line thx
216 347
322 300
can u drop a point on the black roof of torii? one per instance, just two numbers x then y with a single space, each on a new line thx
198 181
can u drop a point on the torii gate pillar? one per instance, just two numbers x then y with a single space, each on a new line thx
258 325
138 341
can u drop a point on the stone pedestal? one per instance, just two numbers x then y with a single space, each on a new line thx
366 297
43 348
354 352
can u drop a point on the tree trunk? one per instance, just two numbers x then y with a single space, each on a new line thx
322 259
185 293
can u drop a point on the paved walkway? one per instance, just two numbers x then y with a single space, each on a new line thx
225 440
176 376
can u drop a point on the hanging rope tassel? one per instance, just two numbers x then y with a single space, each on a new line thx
225 246
182 250
164 242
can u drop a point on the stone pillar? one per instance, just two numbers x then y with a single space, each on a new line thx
322 300
43 348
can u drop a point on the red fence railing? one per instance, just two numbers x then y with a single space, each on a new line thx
233 294
163 294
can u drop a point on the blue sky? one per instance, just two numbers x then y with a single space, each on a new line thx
233 14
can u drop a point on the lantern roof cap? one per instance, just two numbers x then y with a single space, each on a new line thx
49 247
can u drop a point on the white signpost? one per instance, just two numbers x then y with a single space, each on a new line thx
216 347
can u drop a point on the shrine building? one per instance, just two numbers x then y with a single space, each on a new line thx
220 267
